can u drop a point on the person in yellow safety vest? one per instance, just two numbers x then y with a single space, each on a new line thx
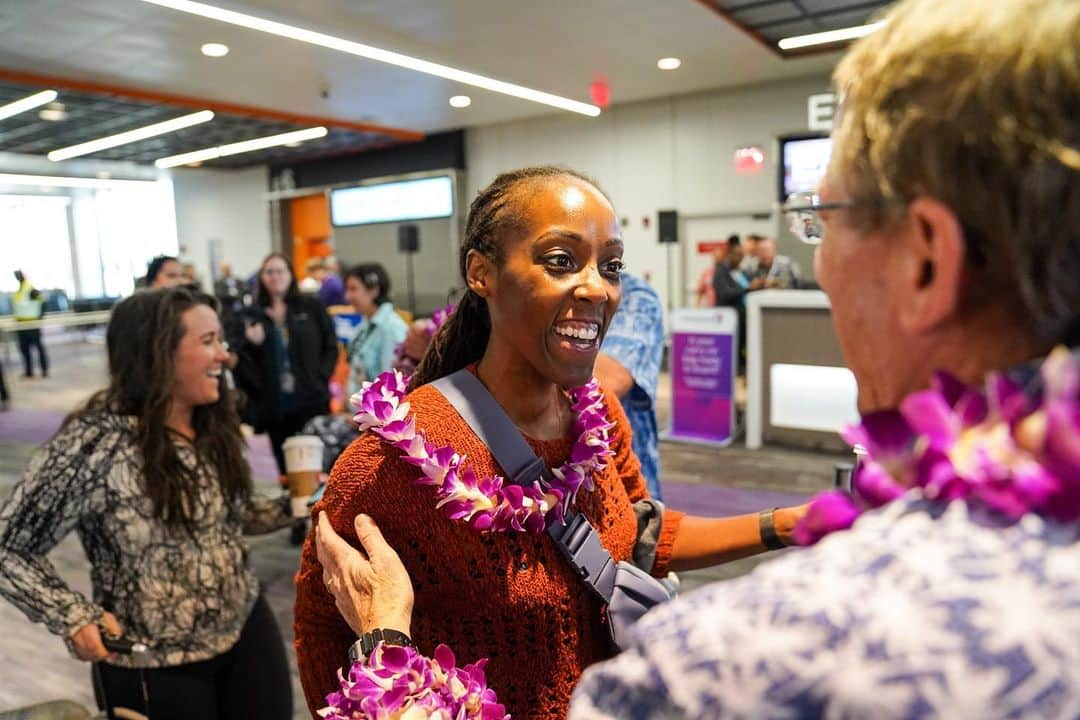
29 306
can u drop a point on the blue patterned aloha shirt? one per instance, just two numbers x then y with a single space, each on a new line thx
919 611
635 339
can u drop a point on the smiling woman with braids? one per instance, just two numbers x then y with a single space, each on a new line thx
151 474
541 259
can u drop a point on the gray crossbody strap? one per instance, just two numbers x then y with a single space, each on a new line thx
578 540
493 426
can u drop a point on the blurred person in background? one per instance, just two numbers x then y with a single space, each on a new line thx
372 351
286 358
28 306
628 365
5 396
749 264
331 287
191 277
729 284
773 270
228 289
150 473
730 287
706 296
314 271
164 271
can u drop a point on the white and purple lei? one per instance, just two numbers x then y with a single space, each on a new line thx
488 504
1006 449
401 684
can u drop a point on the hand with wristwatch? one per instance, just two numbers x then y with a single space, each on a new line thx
374 593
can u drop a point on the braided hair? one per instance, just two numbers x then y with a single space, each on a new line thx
463 338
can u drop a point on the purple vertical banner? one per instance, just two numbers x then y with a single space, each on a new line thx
702 378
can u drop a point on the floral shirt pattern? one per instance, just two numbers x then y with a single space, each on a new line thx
185 594
919 611
635 338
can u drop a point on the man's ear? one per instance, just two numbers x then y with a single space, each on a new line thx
932 272
479 273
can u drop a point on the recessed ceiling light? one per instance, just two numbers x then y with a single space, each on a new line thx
669 63
131 136
460 101
198 156
53 112
27 103
215 50
370 52
829 36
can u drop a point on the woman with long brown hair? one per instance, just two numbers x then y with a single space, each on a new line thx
150 473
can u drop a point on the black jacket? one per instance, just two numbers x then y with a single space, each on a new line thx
313 353
728 291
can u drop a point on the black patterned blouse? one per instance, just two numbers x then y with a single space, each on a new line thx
186 594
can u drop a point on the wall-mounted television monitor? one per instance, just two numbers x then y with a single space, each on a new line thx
393 201
803 160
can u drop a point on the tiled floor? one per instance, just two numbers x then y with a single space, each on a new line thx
703 480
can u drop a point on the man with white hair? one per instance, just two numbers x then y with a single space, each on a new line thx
948 233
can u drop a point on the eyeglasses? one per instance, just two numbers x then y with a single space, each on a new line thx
801 212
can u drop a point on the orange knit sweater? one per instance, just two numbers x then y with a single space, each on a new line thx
509 597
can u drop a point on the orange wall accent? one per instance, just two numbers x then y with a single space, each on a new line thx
310 230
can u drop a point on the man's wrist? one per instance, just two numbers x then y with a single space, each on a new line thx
368 641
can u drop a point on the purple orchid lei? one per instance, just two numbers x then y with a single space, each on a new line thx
488 504
999 449
400 683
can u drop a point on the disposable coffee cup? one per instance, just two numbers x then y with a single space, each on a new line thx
303 463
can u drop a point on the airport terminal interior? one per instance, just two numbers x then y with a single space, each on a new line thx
279 202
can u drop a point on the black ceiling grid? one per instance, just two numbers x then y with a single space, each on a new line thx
772 20
91 116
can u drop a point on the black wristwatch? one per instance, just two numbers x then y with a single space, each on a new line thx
767 527
362 648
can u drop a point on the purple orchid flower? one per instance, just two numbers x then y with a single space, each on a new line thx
873 484
828 512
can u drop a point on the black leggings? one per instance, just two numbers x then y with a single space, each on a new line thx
287 426
3 384
28 340
250 680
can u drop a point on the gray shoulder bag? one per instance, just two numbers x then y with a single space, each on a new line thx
628 591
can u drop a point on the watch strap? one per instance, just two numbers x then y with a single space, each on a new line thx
362 648
767 526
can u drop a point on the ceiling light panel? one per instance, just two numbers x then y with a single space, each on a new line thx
262 143
373 53
131 136
828 37
27 103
